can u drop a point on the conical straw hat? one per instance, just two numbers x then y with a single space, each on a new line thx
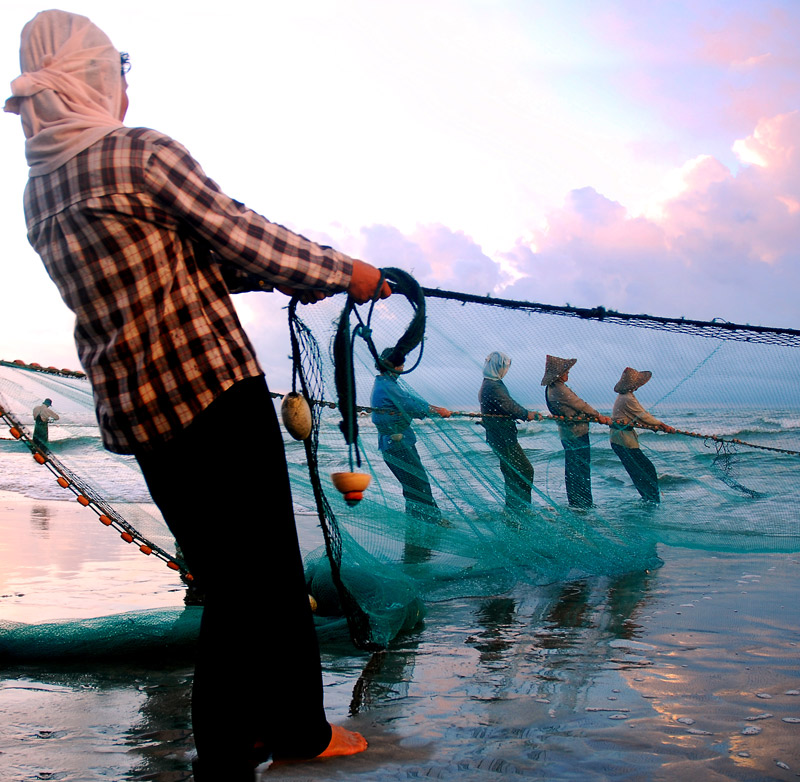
555 367
631 380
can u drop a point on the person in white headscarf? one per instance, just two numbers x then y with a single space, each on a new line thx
145 249
573 428
627 413
70 93
500 413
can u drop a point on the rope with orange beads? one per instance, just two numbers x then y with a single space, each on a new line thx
107 516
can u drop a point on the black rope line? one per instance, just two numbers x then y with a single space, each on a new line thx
578 419
306 363
716 329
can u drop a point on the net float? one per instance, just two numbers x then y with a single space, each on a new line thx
296 415
351 484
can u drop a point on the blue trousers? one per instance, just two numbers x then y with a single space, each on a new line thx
641 470
577 471
405 464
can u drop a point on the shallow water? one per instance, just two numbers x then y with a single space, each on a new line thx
588 668
646 677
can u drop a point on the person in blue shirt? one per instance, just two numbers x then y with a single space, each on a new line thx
395 406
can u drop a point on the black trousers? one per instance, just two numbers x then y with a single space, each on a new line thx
641 470
577 471
223 488
517 473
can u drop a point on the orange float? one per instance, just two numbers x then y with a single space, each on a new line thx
352 485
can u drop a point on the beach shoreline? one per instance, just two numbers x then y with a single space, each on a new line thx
688 672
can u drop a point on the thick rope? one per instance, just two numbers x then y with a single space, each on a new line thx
344 372
576 420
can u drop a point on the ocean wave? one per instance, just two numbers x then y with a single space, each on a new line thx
669 479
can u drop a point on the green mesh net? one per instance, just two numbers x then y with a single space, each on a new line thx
727 477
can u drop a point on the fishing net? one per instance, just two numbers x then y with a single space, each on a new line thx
727 476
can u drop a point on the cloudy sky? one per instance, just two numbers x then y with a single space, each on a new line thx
640 156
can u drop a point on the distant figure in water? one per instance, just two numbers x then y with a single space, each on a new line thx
499 412
628 413
42 415
563 401
395 407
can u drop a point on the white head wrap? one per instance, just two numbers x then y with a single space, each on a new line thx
70 93
496 365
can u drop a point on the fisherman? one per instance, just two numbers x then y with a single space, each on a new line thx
395 406
626 414
42 415
144 248
499 412
564 403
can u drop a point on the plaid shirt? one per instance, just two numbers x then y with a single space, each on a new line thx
136 236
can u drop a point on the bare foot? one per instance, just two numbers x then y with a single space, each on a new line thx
343 742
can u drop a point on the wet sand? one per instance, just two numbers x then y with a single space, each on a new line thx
691 672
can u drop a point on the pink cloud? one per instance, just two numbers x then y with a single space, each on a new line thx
726 246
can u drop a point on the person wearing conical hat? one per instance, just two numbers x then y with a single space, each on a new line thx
146 249
573 428
627 414
42 415
395 406
500 413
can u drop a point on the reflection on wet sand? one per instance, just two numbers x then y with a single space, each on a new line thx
40 518
72 722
